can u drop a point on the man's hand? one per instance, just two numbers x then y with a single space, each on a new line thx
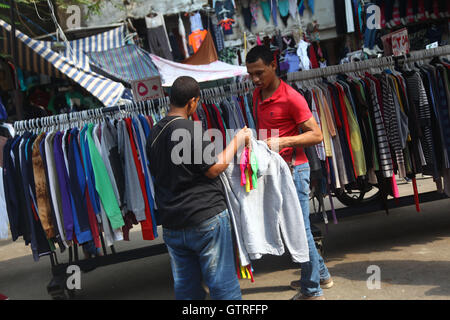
276 144
312 135
243 136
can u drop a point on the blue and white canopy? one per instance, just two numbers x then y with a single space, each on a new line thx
38 56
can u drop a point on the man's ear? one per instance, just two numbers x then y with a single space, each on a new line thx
192 104
273 65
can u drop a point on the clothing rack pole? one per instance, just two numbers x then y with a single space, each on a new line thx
367 64
36 123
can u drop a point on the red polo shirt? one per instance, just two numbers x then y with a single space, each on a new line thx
284 111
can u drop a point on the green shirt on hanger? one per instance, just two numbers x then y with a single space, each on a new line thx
103 184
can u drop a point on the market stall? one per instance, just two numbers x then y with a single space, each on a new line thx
39 57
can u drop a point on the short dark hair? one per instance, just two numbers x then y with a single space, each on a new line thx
183 89
260 52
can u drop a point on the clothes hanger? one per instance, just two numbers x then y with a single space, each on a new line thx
146 107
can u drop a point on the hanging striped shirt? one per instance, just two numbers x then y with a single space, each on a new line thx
418 94
391 123
382 139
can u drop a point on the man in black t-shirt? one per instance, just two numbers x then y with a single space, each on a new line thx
190 198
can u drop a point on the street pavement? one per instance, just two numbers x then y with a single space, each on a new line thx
407 251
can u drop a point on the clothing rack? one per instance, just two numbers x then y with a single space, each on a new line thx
367 64
57 288
142 106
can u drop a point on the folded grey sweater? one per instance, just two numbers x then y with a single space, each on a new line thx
260 217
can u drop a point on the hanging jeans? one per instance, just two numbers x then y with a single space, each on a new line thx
203 252
314 270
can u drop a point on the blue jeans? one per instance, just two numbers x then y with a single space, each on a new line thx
203 252
314 270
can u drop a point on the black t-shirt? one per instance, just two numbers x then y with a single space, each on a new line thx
184 195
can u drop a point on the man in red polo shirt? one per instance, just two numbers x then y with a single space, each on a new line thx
277 106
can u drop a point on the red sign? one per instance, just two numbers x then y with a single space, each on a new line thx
400 42
147 89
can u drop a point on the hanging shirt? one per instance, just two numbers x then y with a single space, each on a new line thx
182 34
293 61
258 228
138 130
227 26
196 38
274 12
42 196
39 244
302 52
89 171
103 184
114 234
349 16
4 221
13 194
53 183
155 22
254 11
196 22
356 141
391 124
147 227
77 183
104 153
64 186
380 133
265 6
251 122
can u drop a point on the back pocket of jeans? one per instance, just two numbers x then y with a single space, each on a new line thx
208 226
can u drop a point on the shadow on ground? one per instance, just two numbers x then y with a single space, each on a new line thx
404 273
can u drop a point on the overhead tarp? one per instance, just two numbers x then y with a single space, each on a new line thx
170 70
38 56
127 63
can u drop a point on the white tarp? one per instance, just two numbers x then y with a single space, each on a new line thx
170 70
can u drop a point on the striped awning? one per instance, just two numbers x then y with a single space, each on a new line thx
37 56
108 40
127 63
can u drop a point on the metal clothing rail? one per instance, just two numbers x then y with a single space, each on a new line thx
57 288
367 64
143 106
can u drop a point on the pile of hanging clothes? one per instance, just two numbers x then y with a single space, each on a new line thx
379 126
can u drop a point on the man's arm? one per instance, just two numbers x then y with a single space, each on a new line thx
310 136
226 156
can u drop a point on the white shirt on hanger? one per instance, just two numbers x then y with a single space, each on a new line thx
53 184
293 9
182 33
349 16
302 52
